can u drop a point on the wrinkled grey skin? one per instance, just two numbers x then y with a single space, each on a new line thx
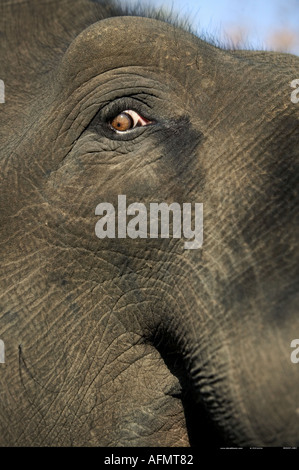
140 342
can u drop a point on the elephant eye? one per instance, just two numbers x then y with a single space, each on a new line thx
128 120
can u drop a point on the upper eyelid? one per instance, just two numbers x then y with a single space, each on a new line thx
121 104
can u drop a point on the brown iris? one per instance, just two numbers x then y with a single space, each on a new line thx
122 122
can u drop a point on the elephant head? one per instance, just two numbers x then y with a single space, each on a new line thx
139 341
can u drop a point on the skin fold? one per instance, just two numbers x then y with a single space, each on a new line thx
139 342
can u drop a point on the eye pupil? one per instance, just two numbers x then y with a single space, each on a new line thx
122 122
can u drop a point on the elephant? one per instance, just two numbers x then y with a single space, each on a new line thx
137 341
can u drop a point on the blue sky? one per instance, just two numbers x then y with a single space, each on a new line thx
262 20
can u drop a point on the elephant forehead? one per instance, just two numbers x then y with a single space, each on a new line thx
135 41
